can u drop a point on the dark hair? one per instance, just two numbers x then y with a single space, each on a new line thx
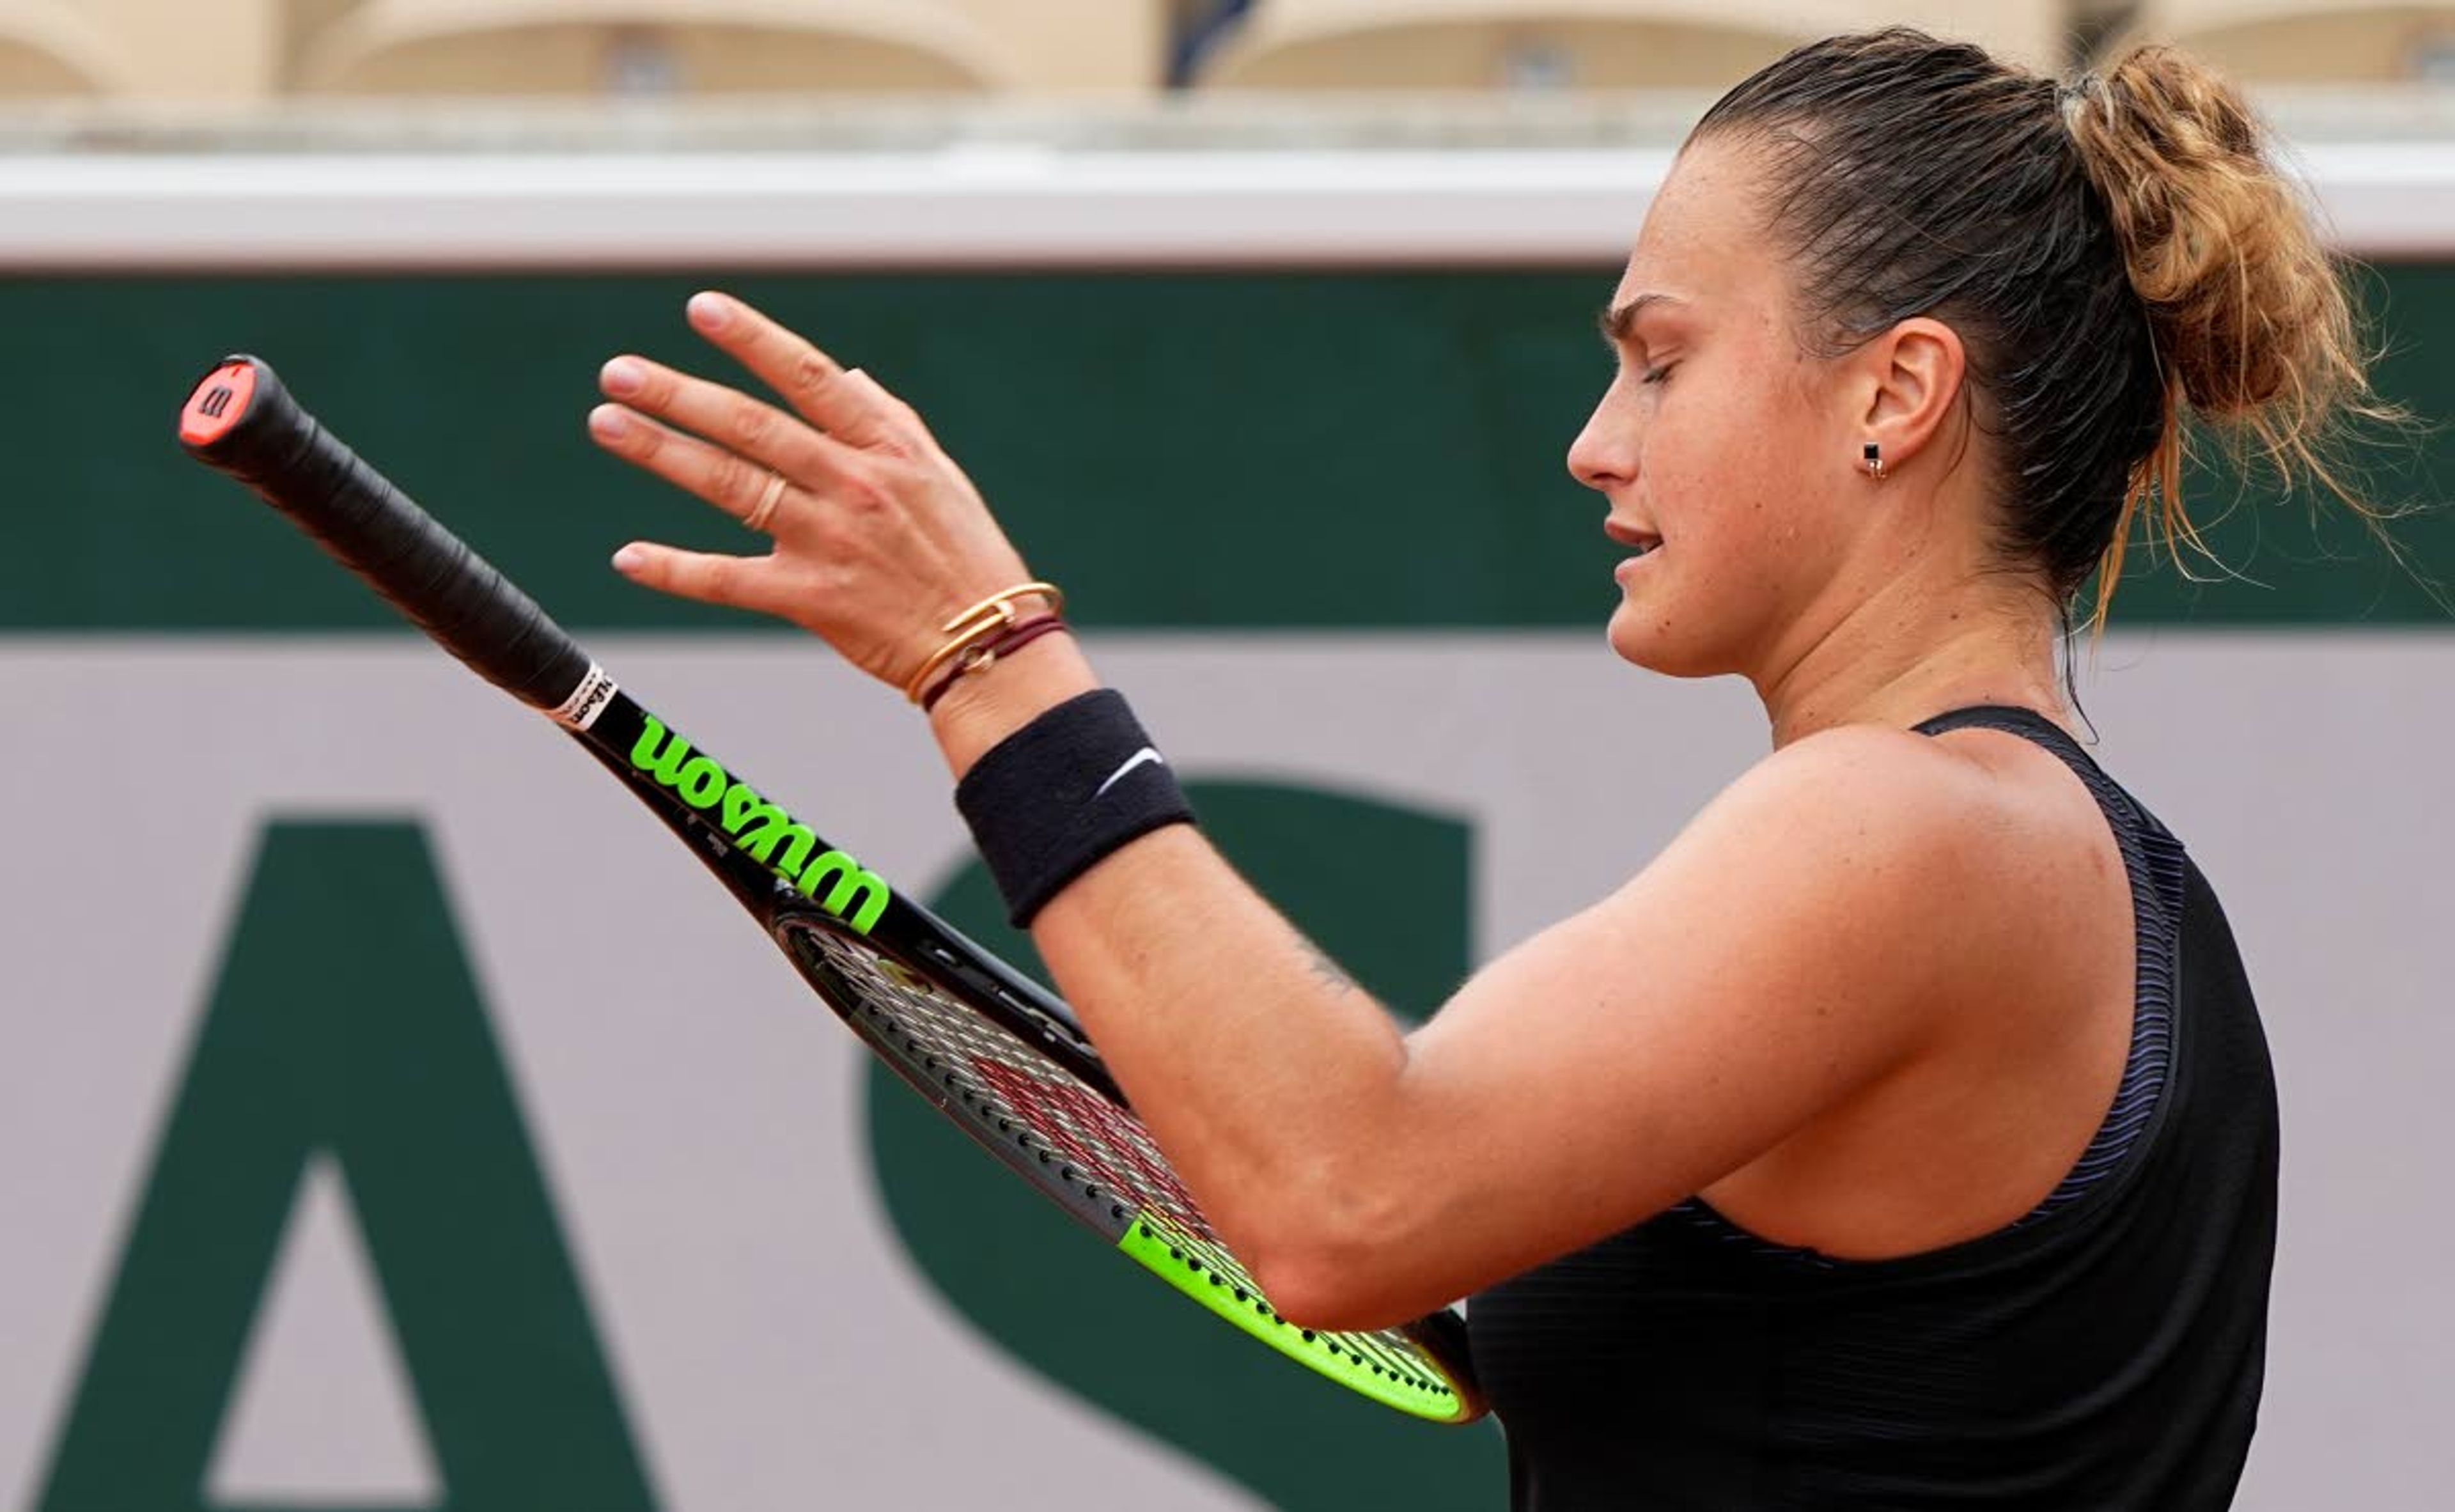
2117 253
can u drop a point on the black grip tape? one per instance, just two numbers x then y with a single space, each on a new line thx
359 516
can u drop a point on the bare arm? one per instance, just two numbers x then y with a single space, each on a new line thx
1780 956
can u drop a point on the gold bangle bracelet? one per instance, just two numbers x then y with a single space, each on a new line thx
1003 606
982 655
919 683
992 615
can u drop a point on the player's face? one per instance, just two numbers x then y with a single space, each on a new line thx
1719 436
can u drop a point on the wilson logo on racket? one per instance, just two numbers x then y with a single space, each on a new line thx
760 829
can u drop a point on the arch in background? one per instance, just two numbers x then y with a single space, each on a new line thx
577 46
1586 43
2305 41
49 49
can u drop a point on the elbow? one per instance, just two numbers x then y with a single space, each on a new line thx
1338 1266
1330 1297
1338 1232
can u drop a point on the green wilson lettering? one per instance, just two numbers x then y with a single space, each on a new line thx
764 833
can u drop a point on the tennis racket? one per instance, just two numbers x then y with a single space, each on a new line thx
983 1043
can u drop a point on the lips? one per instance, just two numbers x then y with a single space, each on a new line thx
1641 541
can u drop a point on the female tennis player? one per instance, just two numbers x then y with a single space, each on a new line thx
1903 1134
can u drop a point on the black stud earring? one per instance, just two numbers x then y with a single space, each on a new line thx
1872 458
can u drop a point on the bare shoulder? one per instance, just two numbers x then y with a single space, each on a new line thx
1825 963
1874 756
1939 856
1862 792
1954 912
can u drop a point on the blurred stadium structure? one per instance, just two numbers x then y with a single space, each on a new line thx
251 51
996 133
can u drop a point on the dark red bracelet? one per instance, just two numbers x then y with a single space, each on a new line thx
1013 639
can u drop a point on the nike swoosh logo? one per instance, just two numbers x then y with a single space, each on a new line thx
1138 758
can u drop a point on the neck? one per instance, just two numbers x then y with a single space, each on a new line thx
1913 650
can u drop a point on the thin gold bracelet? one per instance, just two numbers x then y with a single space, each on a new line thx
982 655
992 617
1003 604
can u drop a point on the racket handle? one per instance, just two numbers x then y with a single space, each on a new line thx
242 421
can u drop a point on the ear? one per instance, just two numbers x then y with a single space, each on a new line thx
1911 376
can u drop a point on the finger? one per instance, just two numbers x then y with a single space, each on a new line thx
726 480
812 382
895 413
712 577
727 417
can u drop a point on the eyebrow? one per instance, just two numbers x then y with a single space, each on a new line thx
1618 322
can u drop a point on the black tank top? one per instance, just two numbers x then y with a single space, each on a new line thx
2103 1353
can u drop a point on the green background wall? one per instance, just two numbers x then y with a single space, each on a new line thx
1296 450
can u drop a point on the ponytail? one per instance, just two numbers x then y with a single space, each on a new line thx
2254 333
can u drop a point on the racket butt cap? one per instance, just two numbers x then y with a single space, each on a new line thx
219 402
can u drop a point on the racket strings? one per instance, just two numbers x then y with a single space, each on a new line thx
1088 1127
1080 1138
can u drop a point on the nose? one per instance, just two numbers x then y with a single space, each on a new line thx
1604 454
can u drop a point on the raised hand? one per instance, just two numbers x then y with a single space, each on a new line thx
876 536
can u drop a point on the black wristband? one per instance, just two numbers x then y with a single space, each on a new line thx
1049 800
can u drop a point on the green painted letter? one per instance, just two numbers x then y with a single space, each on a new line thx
345 1026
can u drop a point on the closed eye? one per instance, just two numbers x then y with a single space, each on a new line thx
1657 374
